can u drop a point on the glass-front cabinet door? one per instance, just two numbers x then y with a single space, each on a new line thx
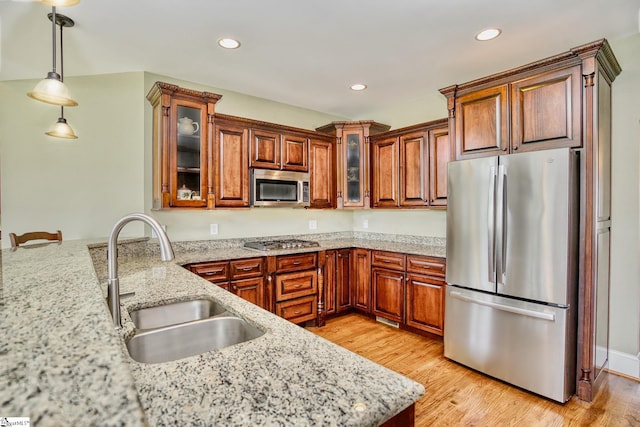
354 169
189 168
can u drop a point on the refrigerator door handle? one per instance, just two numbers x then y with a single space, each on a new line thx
501 229
491 225
516 310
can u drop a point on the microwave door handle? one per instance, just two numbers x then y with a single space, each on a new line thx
300 191
490 225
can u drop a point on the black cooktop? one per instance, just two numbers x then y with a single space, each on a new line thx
271 245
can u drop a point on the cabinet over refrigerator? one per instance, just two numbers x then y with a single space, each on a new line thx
512 259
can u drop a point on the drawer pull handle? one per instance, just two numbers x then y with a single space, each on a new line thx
299 285
211 273
428 264
297 312
386 260
297 262
255 267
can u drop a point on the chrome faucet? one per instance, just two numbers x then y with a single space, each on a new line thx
113 289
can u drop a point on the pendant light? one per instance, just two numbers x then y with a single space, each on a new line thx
51 89
61 129
61 3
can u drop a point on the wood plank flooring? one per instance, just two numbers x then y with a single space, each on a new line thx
458 396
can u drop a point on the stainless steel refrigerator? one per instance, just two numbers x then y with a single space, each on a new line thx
511 306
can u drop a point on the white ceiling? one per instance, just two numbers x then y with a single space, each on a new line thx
308 52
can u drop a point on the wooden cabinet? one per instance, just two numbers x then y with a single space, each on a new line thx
243 277
538 111
181 154
271 149
387 283
295 278
321 173
361 279
425 293
409 166
385 163
231 159
560 101
352 161
337 272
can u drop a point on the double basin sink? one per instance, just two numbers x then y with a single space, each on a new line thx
177 330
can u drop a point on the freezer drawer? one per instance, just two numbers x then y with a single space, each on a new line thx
528 345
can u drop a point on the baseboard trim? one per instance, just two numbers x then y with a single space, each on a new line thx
624 363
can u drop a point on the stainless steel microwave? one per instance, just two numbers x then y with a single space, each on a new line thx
276 188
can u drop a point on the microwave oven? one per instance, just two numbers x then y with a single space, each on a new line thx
276 188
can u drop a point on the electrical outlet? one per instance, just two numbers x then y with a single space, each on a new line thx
313 224
365 223
213 228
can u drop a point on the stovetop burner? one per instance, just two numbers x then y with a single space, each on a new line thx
271 245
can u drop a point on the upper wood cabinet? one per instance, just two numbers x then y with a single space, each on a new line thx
231 157
270 149
182 120
321 173
352 161
539 109
409 166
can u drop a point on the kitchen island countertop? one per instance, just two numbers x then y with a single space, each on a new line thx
64 362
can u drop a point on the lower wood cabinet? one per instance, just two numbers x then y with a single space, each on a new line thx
425 293
337 279
295 282
298 310
251 290
361 279
388 293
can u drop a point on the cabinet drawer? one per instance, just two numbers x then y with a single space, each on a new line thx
296 262
390 260
294 285
246 268
217 271
298 310
426 265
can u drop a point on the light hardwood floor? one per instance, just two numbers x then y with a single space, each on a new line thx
458 396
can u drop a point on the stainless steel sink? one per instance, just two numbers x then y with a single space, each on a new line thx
189 339
175 313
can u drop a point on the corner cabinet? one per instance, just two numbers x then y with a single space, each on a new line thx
409 166
182 121
561 101
352 161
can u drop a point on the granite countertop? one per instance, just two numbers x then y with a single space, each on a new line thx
64 363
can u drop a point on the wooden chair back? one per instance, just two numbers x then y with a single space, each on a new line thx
34 235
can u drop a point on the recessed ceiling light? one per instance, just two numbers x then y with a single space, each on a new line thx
228 43
488 34
358 86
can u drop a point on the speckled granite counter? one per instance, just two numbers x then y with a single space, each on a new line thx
64 364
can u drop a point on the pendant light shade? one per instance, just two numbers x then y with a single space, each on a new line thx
61 3
52 91
61 129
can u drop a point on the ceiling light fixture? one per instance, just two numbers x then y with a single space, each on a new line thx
488 34
61 129
358 86
51 90
228 43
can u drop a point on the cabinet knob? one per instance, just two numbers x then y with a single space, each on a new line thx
515 148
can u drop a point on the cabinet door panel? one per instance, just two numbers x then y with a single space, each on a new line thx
361 279
482 123
343 279
330 276
251 290
388 293
413 169
321 170
385 162
295 153
265 149
232 172
439 158
425 303
546 111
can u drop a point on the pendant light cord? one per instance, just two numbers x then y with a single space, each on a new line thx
53 23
